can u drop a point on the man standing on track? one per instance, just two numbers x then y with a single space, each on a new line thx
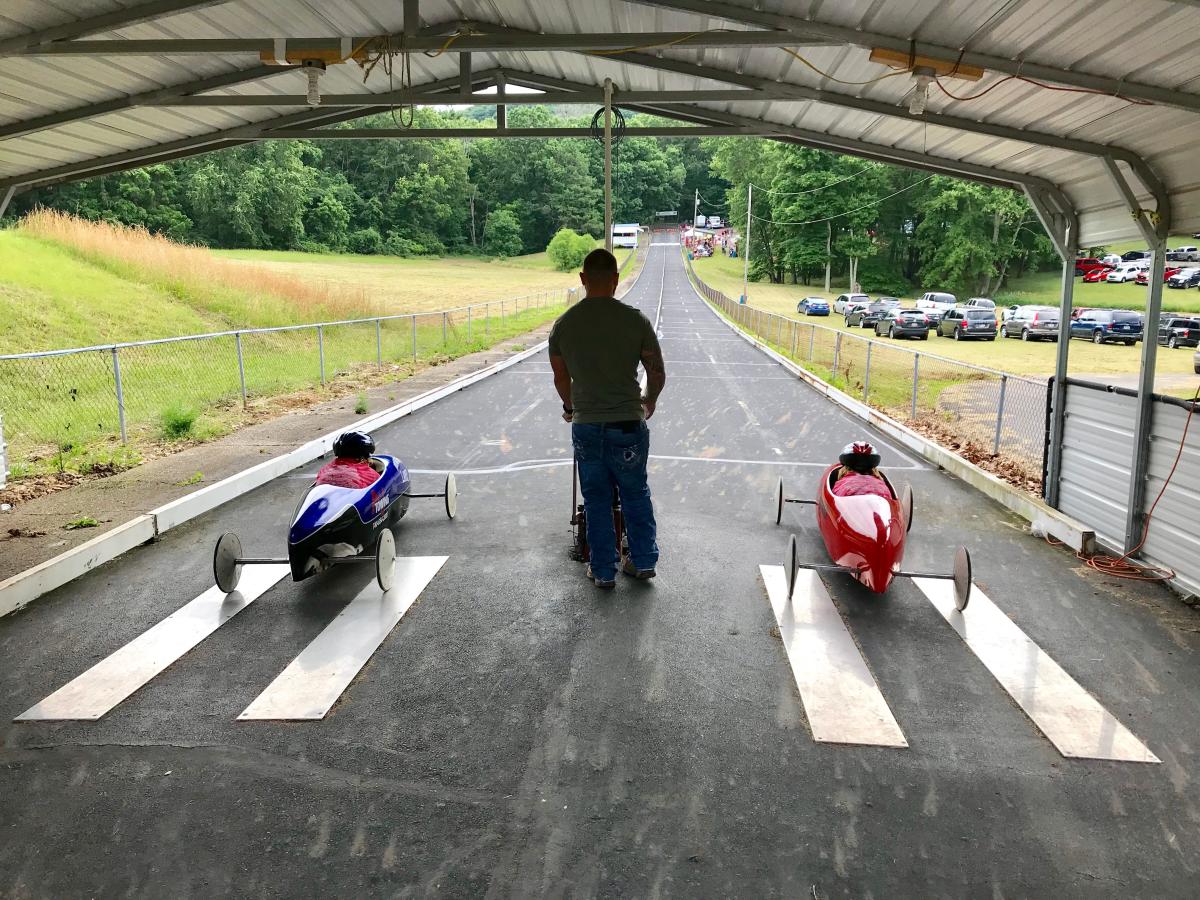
595 349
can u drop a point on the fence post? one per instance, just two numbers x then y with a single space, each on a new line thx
321 350
469 308
867 375
999 414
378 344
795 332
916 377
812 339
414 336
487 318
445 317
837 351
241 367
120 394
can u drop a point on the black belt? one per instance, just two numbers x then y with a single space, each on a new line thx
627 427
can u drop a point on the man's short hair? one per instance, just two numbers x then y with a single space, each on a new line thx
599 263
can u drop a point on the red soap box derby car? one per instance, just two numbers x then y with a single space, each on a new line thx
865 535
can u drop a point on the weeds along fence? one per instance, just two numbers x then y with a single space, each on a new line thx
65 404
982 413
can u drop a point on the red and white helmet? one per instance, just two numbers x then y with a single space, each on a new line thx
859 456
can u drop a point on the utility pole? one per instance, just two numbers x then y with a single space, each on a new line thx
696 209
746 258
608 222
828 252
473 242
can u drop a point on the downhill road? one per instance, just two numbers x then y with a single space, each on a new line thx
520 733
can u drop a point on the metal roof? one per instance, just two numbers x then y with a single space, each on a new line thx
1089 104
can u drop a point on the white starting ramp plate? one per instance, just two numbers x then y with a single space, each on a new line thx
841 699
1067 714
313 681
118 675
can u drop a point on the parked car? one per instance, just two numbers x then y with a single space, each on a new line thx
1086 264
1032 323
1136 255
1097 275
901 322
979 303
866 316
1188 252
1177 331
839 305
1104 325
1143 277
938 300
1127 271
1078 311
1111 260
813 306
1196 355
962 324
1185 278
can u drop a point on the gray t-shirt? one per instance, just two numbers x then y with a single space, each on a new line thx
602 341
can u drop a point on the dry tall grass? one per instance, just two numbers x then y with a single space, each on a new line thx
244 294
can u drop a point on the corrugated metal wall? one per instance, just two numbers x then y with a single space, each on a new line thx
1094 486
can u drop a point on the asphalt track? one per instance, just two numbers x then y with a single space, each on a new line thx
521 734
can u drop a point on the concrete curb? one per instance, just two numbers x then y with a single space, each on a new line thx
22 589
1043 519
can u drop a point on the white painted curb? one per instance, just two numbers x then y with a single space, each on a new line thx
22 589
1042 518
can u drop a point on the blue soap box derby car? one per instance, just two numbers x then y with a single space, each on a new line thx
337 525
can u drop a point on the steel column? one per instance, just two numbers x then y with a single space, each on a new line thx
7 199
608 221
1135 515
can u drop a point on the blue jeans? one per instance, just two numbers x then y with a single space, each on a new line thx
608 458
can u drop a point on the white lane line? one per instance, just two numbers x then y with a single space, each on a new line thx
314 680
841 699
1062 710
118 675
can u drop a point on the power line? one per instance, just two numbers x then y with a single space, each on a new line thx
848 211
821 188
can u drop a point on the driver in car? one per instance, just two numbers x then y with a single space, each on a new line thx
859 473
351 463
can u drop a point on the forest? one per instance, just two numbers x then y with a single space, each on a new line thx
816 215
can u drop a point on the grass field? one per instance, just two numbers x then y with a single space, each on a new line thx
64 283
1012 356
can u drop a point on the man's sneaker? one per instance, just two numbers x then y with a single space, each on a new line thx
633 572
605 584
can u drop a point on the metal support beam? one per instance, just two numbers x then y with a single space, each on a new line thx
419 97
7 199
608 204
501 109
464 76
118 18
358 134
483 40
169 96
862 104
132 159
1138 475
1140 216
1008 65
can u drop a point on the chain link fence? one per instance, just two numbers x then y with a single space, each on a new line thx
983 414
67 408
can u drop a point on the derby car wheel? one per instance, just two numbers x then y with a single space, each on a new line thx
791 566
385 559
227 571
962 578
906 506
779 503
451 496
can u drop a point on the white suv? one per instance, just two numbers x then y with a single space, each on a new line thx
843 300
1126 272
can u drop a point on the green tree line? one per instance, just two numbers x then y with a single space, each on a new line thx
817 215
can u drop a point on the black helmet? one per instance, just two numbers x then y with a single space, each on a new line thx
354 445
859 457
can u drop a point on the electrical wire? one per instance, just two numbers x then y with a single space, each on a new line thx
834 78
848 211
1123 566
679 40
814 190
1049 87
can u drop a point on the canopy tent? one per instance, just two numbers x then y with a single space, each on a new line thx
1091 109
